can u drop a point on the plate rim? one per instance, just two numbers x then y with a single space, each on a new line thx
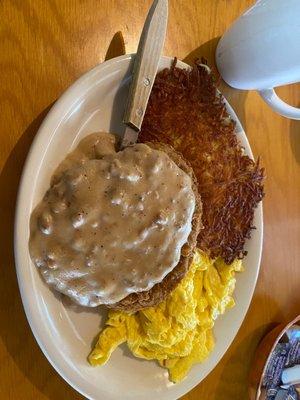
39 138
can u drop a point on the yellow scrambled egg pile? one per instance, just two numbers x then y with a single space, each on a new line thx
178 332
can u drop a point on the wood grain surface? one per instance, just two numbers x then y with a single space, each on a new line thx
44 46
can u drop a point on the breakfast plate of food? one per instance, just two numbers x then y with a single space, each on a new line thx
137 266
139 225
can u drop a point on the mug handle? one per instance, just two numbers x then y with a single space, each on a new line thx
282 108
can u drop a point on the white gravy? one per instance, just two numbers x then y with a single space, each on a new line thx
111 223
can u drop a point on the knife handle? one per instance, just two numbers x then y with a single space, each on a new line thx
146 63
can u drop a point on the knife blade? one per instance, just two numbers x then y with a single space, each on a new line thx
144 69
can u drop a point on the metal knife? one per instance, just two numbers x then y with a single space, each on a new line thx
144 69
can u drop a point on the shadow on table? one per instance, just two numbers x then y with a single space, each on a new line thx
236 98
116 47
14 329
206 50
295 139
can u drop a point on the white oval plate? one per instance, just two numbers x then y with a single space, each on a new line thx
93 103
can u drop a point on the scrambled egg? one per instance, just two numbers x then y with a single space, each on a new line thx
178 332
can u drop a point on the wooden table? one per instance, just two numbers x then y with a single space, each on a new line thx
45 45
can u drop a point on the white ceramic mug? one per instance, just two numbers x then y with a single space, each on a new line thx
261 50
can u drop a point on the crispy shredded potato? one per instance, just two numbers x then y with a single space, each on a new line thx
186 112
